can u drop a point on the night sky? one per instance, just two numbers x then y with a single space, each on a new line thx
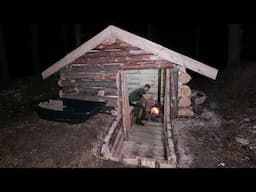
178 37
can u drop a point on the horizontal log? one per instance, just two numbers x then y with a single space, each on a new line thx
116 53
52 106
101 60
89 91
148 65
116 136
184 91
87 83
184 78
114 67
56 102
185 102
117 144
112 129
116 45
86 68
93 88
91 76
109 101
185 112
182 69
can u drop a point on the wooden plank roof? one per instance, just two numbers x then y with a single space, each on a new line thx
112 33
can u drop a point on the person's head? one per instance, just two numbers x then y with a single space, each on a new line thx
147 87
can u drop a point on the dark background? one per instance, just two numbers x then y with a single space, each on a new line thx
207 43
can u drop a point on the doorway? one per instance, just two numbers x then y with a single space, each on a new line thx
150 145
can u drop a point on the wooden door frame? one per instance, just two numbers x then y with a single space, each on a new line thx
124 104
171 87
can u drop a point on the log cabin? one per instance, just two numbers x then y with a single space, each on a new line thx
111 65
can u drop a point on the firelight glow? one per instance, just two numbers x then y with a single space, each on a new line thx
155 111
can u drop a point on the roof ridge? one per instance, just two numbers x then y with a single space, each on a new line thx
115 32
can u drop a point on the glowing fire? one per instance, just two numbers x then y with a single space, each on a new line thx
155 111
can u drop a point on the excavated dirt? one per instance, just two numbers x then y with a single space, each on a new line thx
28 142
224 135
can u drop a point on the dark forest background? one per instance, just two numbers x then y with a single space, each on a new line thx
28 49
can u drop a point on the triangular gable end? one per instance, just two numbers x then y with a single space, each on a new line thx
111 33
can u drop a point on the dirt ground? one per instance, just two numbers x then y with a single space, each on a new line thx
26 141
223 136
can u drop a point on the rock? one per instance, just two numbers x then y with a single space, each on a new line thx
114 113
232 121
252 148
242 141
247 119
222 165
253 129
213 105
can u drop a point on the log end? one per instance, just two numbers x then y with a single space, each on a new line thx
185 112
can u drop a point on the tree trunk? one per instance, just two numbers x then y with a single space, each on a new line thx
150 31
3 57
64 37
234 43
35 48
198 39
78 37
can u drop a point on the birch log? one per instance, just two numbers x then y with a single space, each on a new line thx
184 78
184 91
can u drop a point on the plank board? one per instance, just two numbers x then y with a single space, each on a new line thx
145 141
147 136
144 150
150 131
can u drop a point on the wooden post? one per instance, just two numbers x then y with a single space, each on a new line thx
112 129
159 85
125 105
167 101
174 93
168 95
119 92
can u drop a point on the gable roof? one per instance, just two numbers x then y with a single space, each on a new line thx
113 32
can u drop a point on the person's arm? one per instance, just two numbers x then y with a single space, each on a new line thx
148 99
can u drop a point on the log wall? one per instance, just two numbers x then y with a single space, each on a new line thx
94 75
184 94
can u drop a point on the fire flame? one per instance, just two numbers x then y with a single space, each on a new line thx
155 111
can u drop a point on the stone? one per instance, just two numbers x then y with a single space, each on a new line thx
242 141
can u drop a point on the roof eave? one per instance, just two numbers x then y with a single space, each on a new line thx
113 32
